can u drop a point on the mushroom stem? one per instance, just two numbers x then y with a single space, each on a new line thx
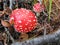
23 33
37 14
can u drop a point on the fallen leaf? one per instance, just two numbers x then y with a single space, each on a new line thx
5 23
23 37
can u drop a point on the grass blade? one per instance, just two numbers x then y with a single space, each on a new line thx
50 7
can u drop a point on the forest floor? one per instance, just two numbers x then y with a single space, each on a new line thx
9 35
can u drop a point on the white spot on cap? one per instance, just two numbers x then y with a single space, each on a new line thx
12 18
29 20
20 21
20 26
27 11
34 20
26 24
25 28
35 16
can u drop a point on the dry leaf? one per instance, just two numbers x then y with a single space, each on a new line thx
7 11
23 37
5 23
12 22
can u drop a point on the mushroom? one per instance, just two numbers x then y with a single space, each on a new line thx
38 8
24 20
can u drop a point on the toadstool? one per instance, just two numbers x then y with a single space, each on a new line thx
38 8
24 20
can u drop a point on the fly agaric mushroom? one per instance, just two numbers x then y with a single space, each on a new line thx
38 7
24 20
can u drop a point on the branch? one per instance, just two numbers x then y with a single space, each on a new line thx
41 39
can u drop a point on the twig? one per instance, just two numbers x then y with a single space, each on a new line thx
56 3
45 13
9 35
54 12
45 31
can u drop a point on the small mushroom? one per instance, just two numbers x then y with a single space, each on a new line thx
38 7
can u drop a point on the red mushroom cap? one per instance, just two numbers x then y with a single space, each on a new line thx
24 20
38 7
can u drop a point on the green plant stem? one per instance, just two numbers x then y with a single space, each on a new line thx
50 7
